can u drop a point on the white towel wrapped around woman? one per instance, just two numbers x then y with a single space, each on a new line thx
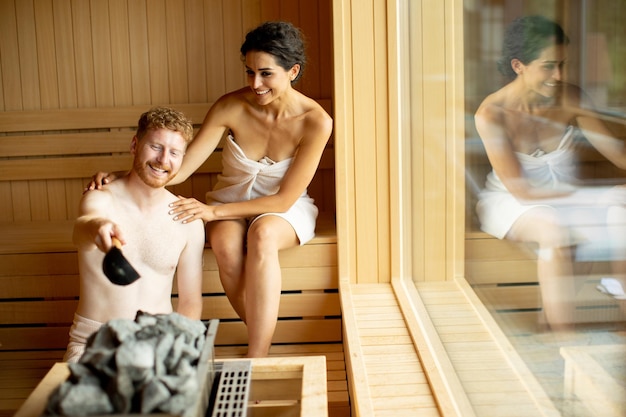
244 179
584 211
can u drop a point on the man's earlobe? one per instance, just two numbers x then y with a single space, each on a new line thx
133 145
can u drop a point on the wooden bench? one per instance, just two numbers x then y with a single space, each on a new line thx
46 158
504 273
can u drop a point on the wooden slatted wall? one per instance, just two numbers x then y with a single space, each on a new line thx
65 54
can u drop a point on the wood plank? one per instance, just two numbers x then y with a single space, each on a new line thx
176 61
38 312
301 257
80 167
6 206
496 249
66 143
46 56
36 237
287 331
55 311
88 118
291 305
67 285
83 50
309 278
230 333
104 71
510 298
39 286
112 156
9 47
121 60
55 236
38 200
58 168
65 58
138 39
57 203
29 338
501 271
28 55
38 264
196 51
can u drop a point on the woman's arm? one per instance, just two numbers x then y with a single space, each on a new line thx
594 129
206 140
318 127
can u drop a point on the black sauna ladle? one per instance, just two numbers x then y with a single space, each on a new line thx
115 266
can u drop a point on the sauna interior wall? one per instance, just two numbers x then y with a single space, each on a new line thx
64 54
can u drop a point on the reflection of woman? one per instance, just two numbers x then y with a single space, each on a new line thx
528 129
276 137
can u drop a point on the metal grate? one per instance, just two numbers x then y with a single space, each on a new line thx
231 396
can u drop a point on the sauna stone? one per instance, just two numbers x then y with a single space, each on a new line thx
74 404
143 366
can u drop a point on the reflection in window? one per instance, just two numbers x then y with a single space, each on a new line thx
603 55
506 274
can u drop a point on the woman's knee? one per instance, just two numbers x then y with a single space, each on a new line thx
270 233
228 246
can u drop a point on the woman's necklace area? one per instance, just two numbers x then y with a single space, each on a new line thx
540 130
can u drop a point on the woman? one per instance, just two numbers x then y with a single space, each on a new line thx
528 129
276 137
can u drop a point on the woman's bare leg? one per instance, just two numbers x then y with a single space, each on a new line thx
554 263
616 225
266 237
227 241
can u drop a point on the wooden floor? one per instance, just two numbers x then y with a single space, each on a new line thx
394 381
494 377
543 353
20 372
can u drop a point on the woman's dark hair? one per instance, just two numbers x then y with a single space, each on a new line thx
282 40
525 38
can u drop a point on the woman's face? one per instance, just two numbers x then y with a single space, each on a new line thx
266 78
543 75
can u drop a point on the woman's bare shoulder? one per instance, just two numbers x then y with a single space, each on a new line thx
491 108
314 113
234 98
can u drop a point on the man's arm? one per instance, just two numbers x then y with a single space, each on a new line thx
189 272
93 226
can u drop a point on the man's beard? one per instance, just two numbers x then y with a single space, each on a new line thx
145 170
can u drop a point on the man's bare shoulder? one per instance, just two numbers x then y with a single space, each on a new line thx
192 230
97 200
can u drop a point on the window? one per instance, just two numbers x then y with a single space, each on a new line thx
505 274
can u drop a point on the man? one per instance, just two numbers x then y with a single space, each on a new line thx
135 211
